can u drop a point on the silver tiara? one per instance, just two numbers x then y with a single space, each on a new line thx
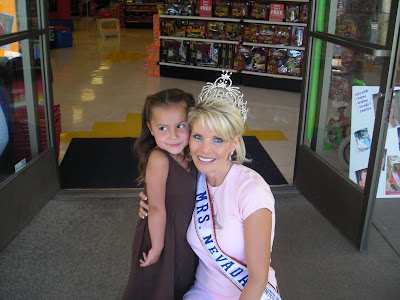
222 89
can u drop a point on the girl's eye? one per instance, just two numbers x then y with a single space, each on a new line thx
162 128
197 137
181 126
218 140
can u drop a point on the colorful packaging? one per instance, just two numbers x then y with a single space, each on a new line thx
293 65
150 51
216 30
180 28
156 53
204 54
176 51
222 8
282 35
156 69
240 10
297 36
276 58
259 11
266 34
303 16
156 22
250 33
241 52
156 38
168 27
233 31
149 68
292 13
196 29
255 60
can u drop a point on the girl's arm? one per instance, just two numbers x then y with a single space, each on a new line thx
156 178
257 239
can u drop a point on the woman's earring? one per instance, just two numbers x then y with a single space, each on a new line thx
230 156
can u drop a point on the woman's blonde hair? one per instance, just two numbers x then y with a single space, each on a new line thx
224 119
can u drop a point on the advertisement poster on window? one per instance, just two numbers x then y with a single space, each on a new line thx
364 100
7 25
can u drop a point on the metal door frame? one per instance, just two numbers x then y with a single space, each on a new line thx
23 194
324 186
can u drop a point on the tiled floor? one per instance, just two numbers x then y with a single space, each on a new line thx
103 80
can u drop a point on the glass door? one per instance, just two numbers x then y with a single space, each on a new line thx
346 95
28 143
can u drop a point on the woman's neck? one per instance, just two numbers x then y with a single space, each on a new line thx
217 179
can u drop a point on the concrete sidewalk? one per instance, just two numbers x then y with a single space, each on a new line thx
78 247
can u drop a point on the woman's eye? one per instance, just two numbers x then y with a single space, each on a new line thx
218 140
197 136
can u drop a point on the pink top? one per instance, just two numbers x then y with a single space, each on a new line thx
243 192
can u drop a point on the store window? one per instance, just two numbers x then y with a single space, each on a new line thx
23 131
14 18
363 20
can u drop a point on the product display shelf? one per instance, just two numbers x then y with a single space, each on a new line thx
195 67
163 37
217 19
133 15
273 46
247 78
274 23
271 75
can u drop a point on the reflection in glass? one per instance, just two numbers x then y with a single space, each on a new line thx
347 94
364 20
17 128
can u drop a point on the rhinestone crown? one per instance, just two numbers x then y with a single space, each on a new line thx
222 89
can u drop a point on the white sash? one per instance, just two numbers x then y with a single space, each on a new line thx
204 223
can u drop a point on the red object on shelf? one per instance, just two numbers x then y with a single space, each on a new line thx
21 131
106 14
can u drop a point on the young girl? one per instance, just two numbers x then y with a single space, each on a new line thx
163 264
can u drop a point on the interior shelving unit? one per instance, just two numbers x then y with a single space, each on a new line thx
248 78
140 13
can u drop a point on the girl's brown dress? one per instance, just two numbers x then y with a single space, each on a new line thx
172 276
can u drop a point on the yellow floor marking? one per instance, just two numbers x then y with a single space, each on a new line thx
117 56
132 126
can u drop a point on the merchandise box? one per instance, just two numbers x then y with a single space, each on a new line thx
204 54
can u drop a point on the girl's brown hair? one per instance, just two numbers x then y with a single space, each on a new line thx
146 142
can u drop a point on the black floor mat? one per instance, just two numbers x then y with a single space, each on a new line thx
111 163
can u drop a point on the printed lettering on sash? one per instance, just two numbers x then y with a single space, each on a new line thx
205 228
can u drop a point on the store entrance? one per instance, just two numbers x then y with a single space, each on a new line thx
28 144
343 160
